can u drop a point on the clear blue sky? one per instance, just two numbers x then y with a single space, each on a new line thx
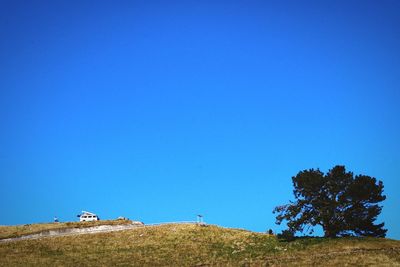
161 110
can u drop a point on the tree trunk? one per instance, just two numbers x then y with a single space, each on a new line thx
328 231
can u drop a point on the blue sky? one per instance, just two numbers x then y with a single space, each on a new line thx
161 110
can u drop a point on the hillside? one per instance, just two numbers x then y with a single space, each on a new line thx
195 245
28 229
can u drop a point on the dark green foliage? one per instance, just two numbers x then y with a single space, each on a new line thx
343 204
286 235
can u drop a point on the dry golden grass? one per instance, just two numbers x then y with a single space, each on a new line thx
26 229
194 245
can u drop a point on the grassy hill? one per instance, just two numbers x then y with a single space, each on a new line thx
27 229
194 245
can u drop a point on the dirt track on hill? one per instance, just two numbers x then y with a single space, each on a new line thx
74 231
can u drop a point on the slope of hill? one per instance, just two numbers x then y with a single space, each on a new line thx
195 245
29 229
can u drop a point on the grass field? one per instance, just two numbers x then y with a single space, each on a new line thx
195 245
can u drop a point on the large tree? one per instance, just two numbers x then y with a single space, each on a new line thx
341 203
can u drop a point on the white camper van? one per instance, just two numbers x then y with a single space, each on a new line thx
87 216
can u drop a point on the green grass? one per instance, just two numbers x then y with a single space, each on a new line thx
194 245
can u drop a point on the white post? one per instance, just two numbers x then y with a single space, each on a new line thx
199 219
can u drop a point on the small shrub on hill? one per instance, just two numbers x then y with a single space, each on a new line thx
286 235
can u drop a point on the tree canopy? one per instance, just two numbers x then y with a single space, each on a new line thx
341 203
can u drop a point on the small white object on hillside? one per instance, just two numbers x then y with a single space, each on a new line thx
87 216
